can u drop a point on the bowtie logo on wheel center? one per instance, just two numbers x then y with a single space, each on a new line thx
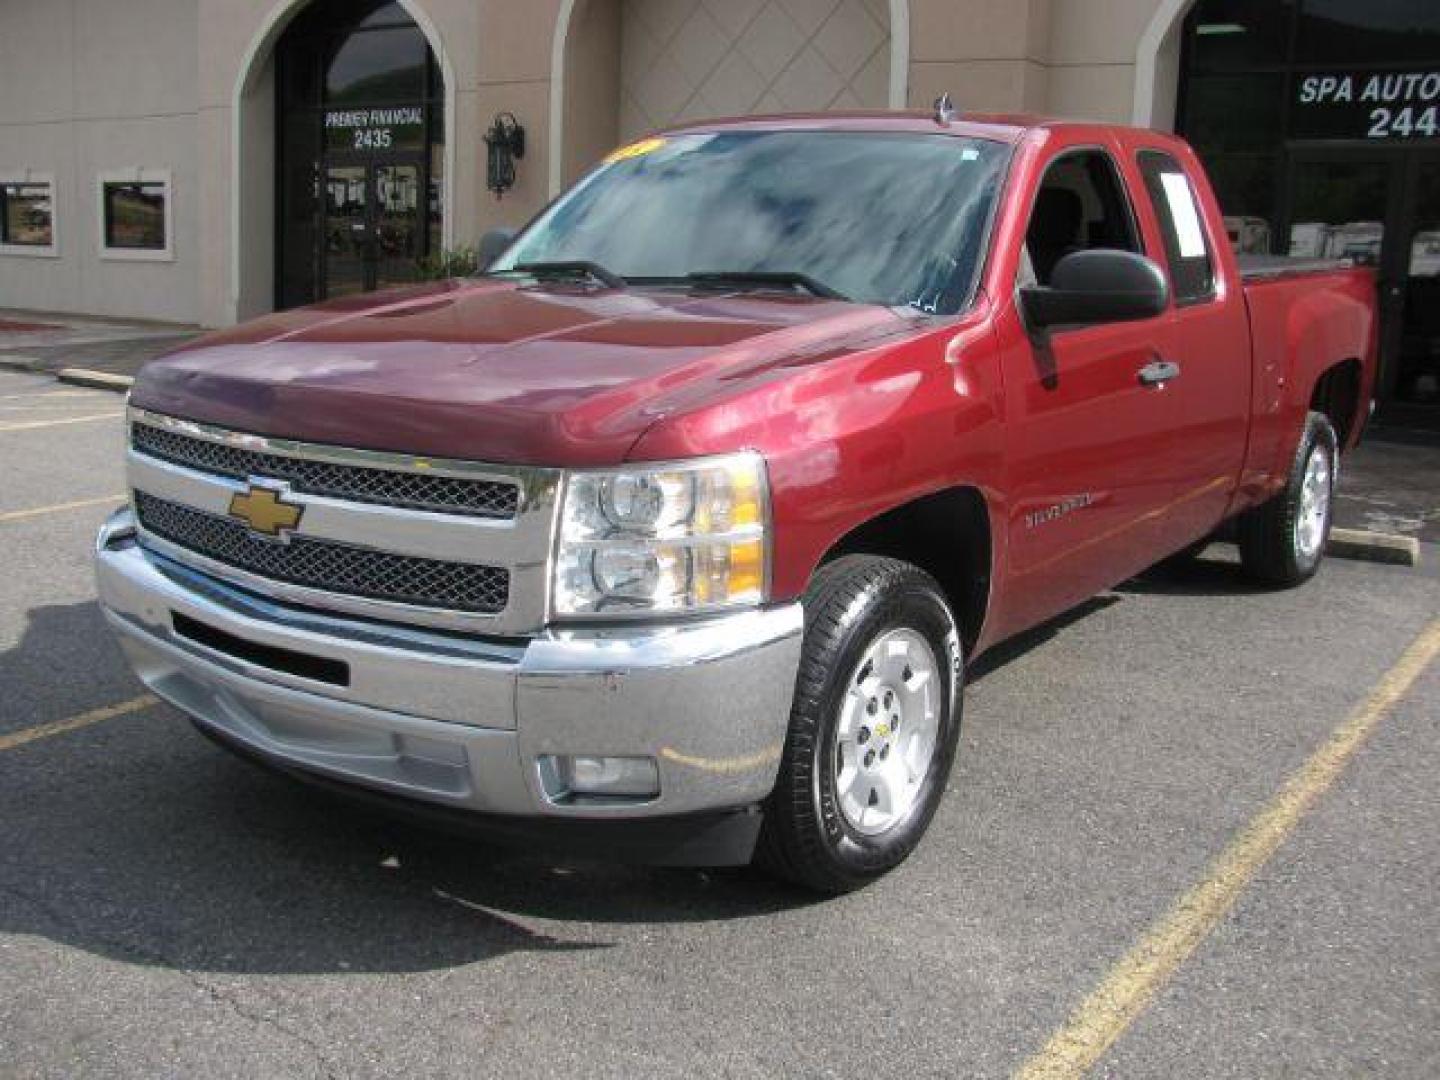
265 511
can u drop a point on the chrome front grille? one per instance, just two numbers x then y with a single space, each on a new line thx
450 543
354 483
328 565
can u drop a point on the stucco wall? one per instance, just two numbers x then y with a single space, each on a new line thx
92 85
1072 58
689 59
89 86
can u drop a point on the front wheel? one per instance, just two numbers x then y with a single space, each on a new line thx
873 728
1282 541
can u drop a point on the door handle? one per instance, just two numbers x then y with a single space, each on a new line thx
1159 372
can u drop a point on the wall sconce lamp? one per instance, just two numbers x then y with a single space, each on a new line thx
505 144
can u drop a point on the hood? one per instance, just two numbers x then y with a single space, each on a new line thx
496 371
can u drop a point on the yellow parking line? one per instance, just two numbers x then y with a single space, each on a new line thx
32 425
60 727
1132 984
22 515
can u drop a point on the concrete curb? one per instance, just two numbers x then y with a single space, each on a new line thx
95 380
1374 547
27 364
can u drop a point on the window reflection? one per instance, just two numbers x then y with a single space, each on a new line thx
885 219
360 94
378 66
135 216
1240 33
27 215
1419 363
1392 31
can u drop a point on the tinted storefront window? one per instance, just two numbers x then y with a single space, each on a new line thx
27 216
1319 122
361 103
1263 76
135 216
1343 31
1240 33
378 66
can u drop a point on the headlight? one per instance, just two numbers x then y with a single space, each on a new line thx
668 538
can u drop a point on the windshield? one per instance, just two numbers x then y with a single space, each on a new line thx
893 219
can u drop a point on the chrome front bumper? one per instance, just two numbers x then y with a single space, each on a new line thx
452 719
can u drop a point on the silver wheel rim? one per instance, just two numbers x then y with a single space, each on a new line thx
1314 513
886 734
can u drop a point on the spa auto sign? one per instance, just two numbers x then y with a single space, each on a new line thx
1368 105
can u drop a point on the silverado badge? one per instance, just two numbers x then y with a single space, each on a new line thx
265 510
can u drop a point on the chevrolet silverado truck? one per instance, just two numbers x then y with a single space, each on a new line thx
672 535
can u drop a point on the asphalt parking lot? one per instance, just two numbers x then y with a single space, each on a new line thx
168 910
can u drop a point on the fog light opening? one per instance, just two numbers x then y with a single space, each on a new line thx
586 776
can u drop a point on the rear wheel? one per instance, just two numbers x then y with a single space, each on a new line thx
1283 540
873 728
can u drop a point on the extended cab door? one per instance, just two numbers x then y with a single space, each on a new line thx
1088 442
1212 390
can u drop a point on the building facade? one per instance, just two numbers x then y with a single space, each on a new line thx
209 160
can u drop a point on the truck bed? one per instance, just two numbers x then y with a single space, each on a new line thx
1264 267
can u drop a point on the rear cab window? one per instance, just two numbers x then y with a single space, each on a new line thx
1182 228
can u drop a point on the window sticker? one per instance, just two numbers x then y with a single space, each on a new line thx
1183 214
634 150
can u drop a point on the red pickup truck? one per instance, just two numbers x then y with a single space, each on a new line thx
672 534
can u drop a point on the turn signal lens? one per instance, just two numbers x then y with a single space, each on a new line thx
672 538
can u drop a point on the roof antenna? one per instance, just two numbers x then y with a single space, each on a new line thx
944 109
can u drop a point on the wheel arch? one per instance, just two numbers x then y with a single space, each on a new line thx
948 535
1337 394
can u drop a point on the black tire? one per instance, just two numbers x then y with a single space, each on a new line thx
851 603
1271 552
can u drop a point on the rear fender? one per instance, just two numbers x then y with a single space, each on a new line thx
1302 328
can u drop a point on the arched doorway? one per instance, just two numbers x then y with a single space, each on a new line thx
359 151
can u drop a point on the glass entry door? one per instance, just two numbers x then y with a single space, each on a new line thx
374 229
1380 209
398 223
347 230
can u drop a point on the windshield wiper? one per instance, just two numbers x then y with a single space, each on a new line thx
573 268
789 278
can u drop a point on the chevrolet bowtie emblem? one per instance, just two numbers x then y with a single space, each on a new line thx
265 511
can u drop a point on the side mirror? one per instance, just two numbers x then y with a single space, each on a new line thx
1097 286
492 246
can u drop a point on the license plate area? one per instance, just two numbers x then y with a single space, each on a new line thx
272 657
